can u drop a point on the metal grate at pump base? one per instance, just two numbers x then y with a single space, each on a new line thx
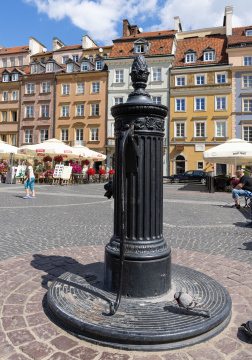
80 305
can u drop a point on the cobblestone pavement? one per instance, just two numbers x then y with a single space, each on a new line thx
80 215
69 226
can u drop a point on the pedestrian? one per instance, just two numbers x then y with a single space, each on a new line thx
242 188
30 180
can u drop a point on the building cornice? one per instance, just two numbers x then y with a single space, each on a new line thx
200 68
128 59
201 92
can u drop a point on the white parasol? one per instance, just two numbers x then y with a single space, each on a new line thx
51 147
7 151
234 151
85 153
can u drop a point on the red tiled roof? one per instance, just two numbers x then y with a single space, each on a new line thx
239 36
98 47
149 34
16 49
217 42
42 53
70 47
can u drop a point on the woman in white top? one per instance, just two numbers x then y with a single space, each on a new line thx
30 180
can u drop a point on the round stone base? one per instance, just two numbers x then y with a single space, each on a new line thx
79 304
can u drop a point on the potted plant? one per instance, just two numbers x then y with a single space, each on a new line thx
102 174
58 159
111 173
91 173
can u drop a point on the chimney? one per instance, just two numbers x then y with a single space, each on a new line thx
134 30
87 42
228 20
57 44
177 24
126 28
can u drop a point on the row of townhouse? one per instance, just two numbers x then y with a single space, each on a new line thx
203 76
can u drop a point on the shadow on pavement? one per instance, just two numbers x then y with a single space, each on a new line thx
248 245
194 187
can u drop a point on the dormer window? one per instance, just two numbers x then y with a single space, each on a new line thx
139 48
84 66
14 77
209 54
99 65
49 67
249 32
69 67
189 58
5 78
34 69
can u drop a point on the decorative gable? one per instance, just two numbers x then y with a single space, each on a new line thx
6 76
72 66
36 67
141 46
190 56
208 54
86 64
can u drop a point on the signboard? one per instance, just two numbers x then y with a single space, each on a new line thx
66 173
58 171
199 147
179 147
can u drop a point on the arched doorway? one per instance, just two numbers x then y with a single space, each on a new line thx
180 164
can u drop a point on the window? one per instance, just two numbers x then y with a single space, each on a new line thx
156 99
14 116
12 61
139 48
34 69
199 103
5 95
13 140
247 105
44 110
84 66
247 60
220 129
94 134
4 63
105 56
5 78
180 105
247 81
64 134
28 137
29 111
49 67
3 138
14 95
209 56
14 77
91 58
220 103
98 65
180 80
119 76
76 58
156 74
45 87
4 116
199 129
78 137
65 89
43 135
29 88
20 61
179 129
248 32
200 79
80 110
64 59
95 87
200 165
69 67
65 110
189 58
247 133
94 109
118 100
80 88
221 78
42 60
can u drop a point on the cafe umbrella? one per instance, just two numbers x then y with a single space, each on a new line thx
85 153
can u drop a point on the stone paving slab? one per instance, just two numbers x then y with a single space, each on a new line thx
27 333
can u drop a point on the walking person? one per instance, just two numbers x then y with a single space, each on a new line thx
242 188
30 180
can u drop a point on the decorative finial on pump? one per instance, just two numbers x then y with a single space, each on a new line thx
139 76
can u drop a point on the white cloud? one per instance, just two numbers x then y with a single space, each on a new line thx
102 19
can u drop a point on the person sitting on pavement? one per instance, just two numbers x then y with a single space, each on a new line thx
242 188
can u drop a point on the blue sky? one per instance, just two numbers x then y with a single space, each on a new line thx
102 19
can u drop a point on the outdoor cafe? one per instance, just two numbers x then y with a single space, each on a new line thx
55 163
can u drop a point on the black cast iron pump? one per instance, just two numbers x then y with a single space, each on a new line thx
137 258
